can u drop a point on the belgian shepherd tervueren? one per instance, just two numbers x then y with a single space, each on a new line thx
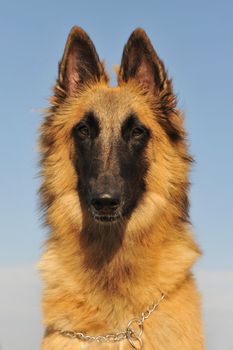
115 168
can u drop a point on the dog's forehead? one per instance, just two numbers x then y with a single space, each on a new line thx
111 106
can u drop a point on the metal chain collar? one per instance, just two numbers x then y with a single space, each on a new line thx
132 333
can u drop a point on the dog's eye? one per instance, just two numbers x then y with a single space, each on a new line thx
81 131
137 132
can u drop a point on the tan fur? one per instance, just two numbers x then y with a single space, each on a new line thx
96 289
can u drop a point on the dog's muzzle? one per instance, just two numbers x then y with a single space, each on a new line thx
105 207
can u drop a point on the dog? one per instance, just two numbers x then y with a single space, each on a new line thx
116 266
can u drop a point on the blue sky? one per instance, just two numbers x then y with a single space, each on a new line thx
195 41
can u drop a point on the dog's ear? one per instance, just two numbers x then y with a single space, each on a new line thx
80 63
141 62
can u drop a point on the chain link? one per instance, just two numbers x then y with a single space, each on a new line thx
132 333
108 338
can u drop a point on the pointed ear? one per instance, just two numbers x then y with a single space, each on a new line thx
80 63
141 62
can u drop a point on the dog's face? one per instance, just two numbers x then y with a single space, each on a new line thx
110 144
113 151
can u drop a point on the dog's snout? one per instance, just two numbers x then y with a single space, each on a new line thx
106 202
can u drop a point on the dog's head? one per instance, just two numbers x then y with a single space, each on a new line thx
113 153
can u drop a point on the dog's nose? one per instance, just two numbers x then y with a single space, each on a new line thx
106 203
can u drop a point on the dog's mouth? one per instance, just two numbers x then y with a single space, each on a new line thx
106 218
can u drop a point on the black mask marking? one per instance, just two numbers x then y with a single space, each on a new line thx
110 190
